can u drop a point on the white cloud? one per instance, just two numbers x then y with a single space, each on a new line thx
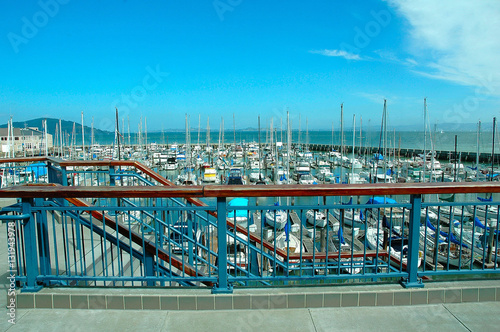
373 97
458 39
338 53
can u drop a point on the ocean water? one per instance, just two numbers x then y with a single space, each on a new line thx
441 141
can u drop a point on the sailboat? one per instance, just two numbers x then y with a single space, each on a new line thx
187 177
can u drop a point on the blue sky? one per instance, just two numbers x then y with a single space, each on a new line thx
161 60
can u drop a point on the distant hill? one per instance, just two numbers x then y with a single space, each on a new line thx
67 127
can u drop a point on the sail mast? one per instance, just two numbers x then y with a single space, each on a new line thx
83 140
493 148
341 140
425 139
477 149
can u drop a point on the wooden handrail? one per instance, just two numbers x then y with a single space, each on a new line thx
170 190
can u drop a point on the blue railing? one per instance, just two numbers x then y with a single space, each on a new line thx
162 237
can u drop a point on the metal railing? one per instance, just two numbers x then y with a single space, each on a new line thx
164 235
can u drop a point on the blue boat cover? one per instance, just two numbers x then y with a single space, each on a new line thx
38 169
482 199
238 202
381 200
450 236
479 224
341 236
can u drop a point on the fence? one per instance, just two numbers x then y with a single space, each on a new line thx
156 235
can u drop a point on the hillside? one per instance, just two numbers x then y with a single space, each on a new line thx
67 127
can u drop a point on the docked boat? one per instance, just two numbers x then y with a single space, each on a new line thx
255 175
343 246
171 164
210 175
186 179
235 177
489 212
290 244
475 237
240 216
308 179
281 176
237 253
181 237
448 252
316 218
397 247
301 169
276 218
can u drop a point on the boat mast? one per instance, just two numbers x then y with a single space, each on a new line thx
360 138
199 128
260 156
385 140
353 145
234 136
222 133
188 150
146 136
61 139
9 134
208 132
83 140
477 149
493 148
307 134
341 141
289 146
73 139
45 138
117 134
425 139
455 161
128 121
298 140
92 134
56 140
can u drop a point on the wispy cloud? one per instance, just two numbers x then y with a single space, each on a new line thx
457 39
390 56
373 97
338 53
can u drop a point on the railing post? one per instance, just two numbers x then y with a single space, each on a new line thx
189 221
64 176
222 284
112 175
30 249
413 244
149 268
43 239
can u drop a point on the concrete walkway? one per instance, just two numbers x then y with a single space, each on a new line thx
476 316
442 317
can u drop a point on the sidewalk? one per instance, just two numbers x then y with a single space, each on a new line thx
368 309
442 317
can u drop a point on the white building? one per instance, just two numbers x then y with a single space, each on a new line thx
24 141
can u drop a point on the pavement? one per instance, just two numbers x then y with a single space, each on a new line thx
443 317
476 316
